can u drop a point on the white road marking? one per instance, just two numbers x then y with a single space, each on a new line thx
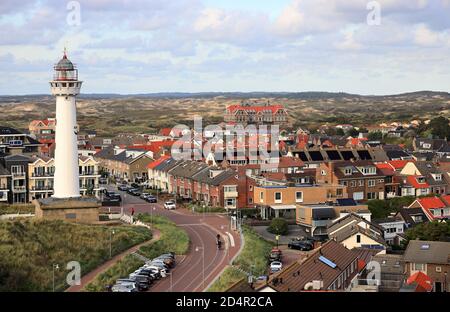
231 239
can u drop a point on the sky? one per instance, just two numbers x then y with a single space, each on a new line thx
146 46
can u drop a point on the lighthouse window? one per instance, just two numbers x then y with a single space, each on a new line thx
64 84
71 85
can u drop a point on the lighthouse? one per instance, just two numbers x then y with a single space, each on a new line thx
66 87
66 203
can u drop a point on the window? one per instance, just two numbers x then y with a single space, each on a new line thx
339 192
230 202
438 269
299 197
371 195
323 172
348 171
251 188
261 196
419 267
358 238
344 183
361 182
278 198
371 183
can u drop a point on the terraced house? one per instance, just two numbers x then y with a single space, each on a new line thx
124 164
5 178
364 181
41 175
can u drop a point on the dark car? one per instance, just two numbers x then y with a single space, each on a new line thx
135 185
275 255
151 199
300 245
123 187
141 284
113 196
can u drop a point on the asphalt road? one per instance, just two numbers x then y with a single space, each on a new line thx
204 261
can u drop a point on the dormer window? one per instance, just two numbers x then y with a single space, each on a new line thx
348 171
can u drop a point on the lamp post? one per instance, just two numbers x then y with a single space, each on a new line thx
203 265
110 243
55 267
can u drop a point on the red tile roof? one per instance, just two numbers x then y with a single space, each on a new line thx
431 202
155 163
272 108
446 200
165 131
412 180
399 164
422 280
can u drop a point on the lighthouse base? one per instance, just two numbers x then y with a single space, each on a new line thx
79 210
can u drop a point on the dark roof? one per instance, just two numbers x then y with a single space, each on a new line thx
297 275
407 213
428 252
8 130
4 171
346 202
397 154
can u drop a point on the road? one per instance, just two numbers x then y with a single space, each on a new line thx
204 261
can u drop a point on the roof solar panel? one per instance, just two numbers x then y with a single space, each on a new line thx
334 155
347 155
364 155
315 156
303 156
328 262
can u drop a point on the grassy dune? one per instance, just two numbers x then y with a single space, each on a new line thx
28 250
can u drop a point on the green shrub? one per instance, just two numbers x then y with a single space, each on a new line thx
278 226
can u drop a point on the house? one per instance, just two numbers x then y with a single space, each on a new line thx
44 128
14 142
315 219
394 228
354 231
364 181
158 174
412 216
282 200
17 166
41 176
331 267
391 180
414 186
434 208
124 164
424 145
5 182
429 173
431 258
247 113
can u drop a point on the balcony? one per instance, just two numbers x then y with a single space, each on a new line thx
19 189
233 194
89 173
42 188
18 175
43 175
89 186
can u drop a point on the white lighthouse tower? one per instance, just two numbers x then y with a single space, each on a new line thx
65 87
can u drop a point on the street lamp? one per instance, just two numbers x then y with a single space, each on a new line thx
55 267
203 265
110 243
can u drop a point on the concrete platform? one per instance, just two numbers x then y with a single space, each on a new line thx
79 210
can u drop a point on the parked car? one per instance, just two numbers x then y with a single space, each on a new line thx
135 185
151 199
141 284
170 205
300 245
275 255
123 187
124 287
275 266
144 195
103 180
170 262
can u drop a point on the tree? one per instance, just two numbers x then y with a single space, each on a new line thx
340 132
375 136
432 231
440 127
353 132
278 226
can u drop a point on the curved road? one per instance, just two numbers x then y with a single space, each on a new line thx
204 261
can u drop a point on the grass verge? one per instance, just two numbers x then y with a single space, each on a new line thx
253 258
17 208
30 248
172 239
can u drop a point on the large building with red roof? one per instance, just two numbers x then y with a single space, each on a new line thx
256 114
